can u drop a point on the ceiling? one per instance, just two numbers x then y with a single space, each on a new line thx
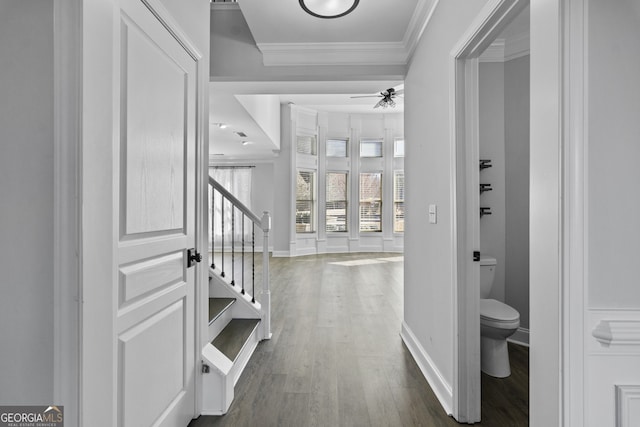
225 107
286 36
283 21
322 63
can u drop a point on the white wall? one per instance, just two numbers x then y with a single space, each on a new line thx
492 147
516 110
282 213
265 111
26 191
504 138
612 207
428 299
263 189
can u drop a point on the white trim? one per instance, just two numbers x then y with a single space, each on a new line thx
281 254
617 332
502 50
366 53
517 47
225 6
66 211
429 369
574 295
548 227
495 52
521 337
201 285
625 407
419 21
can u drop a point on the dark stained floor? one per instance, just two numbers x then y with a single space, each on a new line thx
336 357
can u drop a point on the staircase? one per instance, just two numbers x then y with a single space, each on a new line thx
238 318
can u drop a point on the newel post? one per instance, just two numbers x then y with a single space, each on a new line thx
265 299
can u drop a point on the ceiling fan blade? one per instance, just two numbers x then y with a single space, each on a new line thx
366 96
399 92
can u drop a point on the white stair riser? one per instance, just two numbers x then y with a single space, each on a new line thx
218 384
245 354
220 323
243 308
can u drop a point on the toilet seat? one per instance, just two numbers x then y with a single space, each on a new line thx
498 314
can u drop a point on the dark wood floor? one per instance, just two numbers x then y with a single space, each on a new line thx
336 357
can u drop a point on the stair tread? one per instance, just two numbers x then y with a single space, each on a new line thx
217 306
233 337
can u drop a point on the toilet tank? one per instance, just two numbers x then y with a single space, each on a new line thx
487 275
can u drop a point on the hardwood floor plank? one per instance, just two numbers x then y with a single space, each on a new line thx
336 357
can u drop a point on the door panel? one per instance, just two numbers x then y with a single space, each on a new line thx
156 215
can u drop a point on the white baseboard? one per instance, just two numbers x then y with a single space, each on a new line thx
281 254
521 337
439 385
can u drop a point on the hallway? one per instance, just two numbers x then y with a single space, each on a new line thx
336 356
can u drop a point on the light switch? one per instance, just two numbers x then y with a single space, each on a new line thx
433 214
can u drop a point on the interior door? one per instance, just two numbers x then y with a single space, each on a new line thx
155 169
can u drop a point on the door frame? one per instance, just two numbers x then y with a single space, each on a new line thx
491 20
66 209
84 184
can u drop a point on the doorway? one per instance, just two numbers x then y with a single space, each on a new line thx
465 66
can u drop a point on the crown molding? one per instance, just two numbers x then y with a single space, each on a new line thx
224 6
367 53
417 24
495 52
292 54
502 50
517 46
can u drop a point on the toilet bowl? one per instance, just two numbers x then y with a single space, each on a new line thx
498 321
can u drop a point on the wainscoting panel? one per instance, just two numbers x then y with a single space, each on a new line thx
148 389
612 368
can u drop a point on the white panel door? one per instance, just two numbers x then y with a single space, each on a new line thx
155 171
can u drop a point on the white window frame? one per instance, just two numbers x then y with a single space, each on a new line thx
346 201
313 212
360 201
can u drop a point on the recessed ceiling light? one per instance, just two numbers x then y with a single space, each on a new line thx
328 8
247 142
220 125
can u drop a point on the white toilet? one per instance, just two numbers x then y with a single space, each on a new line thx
498 321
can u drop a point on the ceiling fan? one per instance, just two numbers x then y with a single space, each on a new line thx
387 97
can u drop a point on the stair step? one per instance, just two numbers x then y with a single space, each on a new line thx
217 306
232 338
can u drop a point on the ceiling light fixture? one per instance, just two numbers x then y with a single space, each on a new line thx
220 125
247 142
328 9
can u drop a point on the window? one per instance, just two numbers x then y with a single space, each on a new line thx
305 202
238 181
398 201
371 148
370 202
398 147
306 145
337 147
336 216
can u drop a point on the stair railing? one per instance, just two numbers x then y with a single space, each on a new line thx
223 201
